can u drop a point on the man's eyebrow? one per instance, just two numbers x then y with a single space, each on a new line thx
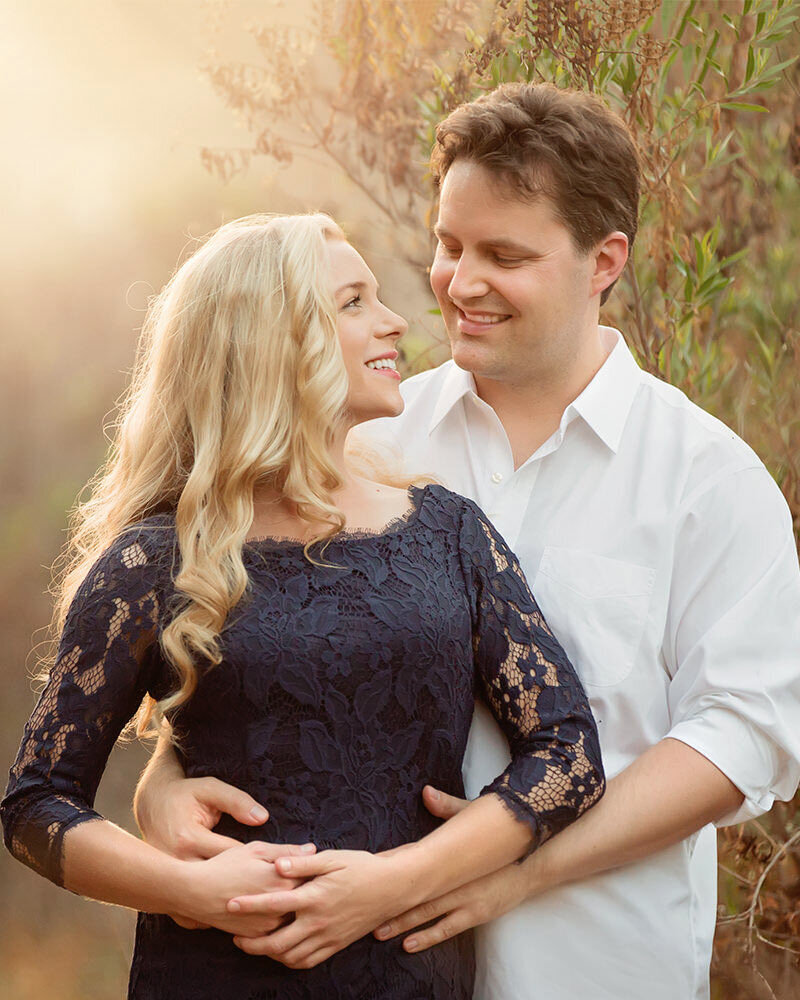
498 243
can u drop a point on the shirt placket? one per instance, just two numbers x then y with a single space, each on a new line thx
502 491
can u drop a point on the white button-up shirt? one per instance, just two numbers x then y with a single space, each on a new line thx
661 553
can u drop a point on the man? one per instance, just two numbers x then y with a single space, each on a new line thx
656 543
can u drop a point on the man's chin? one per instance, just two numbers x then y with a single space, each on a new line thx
476 359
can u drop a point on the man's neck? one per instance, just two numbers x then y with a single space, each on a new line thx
531 412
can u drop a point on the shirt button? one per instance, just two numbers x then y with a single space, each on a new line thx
497 477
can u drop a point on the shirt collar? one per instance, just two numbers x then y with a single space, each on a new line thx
604 404
457 384
606 401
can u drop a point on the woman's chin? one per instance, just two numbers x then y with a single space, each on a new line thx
382 408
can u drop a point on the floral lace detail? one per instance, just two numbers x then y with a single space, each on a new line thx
343 689
86 703
528 684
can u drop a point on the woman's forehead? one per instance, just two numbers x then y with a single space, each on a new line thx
347 264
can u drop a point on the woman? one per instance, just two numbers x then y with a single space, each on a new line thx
312 636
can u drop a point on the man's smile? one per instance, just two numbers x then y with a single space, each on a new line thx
478 322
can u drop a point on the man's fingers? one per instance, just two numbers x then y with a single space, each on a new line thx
316 957
421 914
307 866
271 852
229 799
200 844
441 804
269 903
454 923
274 944
188 923
254 946
285 939
259 902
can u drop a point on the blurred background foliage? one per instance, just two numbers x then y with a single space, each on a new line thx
332 105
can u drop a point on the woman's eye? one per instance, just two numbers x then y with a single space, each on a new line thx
355 301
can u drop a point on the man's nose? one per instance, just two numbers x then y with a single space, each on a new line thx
468 281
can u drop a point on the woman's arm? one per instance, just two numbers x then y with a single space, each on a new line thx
107 660
103 862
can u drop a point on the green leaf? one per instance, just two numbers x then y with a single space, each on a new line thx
751 64
739 106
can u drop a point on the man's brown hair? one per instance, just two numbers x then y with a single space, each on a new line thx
561 144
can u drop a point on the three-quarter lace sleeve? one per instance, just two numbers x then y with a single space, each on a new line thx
102 672
556 770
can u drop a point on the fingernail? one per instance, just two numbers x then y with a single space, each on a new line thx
233 906
307 849
259 814
435 794
411 944
383 930
285 864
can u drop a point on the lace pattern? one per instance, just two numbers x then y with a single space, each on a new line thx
343 689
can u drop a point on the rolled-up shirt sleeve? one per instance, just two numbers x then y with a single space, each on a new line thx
733 636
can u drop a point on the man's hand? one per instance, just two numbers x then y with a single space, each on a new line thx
468 906
180 819
665 795
472 904
177 814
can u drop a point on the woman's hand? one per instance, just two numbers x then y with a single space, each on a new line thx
207 886
349 894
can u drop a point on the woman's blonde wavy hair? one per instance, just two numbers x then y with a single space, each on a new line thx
239 382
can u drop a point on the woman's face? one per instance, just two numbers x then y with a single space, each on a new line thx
368 334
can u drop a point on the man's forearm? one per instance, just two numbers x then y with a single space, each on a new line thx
665 795
162 768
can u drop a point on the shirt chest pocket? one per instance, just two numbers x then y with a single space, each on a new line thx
597 607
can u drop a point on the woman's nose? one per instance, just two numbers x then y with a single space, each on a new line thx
394 325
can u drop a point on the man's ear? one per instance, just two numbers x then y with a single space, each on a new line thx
610 256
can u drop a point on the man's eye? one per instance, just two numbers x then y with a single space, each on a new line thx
507 261
450 251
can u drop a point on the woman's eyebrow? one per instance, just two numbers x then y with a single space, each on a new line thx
358 286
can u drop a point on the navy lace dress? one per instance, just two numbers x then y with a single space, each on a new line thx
342 691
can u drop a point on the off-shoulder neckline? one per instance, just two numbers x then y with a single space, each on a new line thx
416 497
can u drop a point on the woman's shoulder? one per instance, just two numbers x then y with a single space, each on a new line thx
143 551
448 506
447 499
153 535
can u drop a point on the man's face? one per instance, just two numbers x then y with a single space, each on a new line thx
515 294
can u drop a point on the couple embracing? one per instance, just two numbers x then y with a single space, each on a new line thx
361 654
